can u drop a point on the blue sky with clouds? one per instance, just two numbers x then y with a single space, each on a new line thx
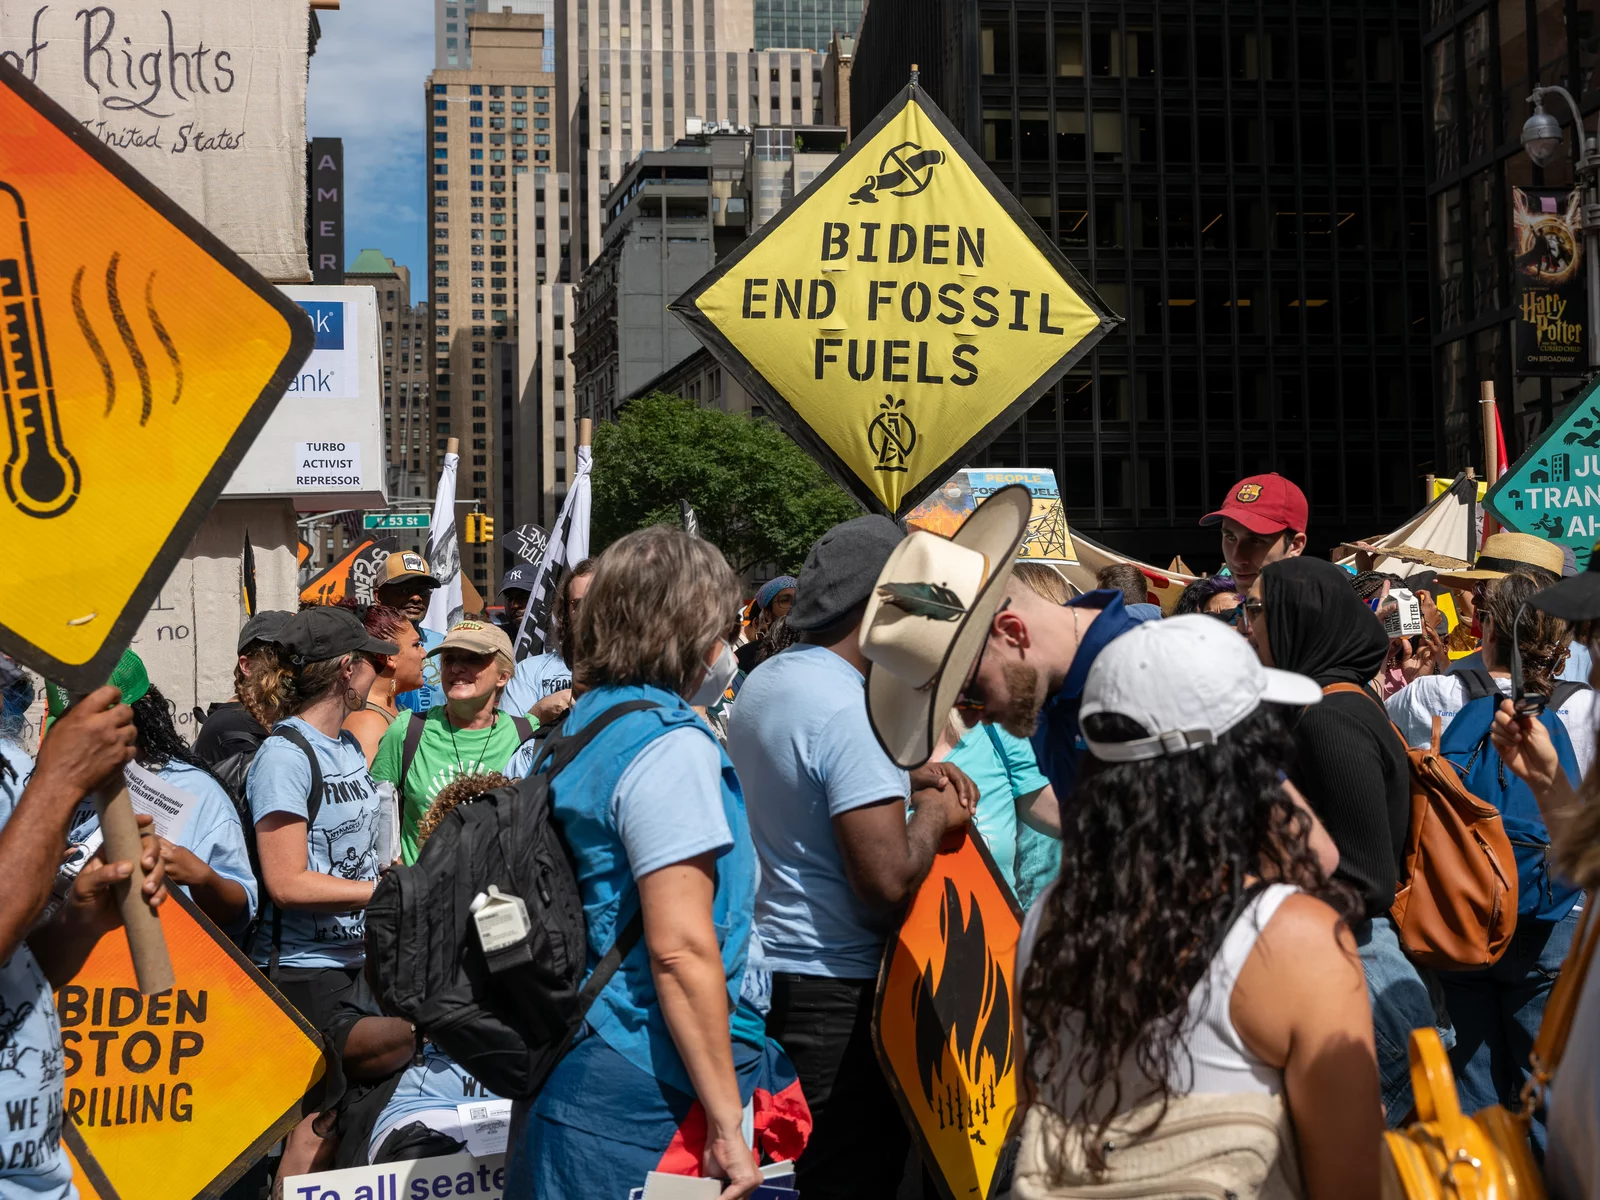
366 87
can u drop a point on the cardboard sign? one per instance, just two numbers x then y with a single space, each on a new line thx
1553 491
901 312
175 1094
352 576
1047 539
448 1175
943 1020
142 356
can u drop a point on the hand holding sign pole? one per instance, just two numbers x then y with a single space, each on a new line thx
139 357
152 966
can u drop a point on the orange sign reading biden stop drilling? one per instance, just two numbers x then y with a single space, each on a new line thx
173 1093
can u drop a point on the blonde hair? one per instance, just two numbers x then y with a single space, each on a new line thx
284 691
657 602
1044 581
258 691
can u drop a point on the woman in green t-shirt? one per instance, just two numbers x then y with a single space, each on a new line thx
467 735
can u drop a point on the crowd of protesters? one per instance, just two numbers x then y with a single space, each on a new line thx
1204 815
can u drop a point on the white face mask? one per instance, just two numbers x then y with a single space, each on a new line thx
718 676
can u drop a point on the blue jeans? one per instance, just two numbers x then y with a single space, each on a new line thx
1400 1002
1497 1012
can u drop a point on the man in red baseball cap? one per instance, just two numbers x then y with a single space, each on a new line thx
1263 519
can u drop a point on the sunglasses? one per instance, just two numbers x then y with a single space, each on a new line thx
1231 617
965 703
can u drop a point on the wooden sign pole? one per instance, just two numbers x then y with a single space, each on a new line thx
452 446
1491 445
152 965
585 431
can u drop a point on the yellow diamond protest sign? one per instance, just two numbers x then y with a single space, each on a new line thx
139 358
901 312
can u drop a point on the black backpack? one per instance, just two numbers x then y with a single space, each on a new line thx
506 1020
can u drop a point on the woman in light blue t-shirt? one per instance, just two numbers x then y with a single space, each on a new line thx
318 815
208 857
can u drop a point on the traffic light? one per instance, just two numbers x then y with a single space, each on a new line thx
470 534
485 527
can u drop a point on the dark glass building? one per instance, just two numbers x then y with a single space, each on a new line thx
1481 61
798 24
1244 182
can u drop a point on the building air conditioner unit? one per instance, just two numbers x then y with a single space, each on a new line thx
693 125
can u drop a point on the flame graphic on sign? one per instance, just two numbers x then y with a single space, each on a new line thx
943 1026
975 1025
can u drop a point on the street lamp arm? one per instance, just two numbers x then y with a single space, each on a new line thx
1577 117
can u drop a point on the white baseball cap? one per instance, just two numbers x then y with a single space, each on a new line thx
1188 680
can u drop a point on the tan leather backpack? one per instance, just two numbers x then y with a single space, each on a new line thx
1455 906
1447 1155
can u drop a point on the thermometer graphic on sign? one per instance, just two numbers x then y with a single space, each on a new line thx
41 476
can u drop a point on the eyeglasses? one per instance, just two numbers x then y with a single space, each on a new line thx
1253 608
964 703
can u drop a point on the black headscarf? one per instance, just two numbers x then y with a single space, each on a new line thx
1317 626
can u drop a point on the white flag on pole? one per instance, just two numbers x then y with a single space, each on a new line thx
444 554
569 544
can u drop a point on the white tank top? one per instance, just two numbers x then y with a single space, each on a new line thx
1221 1062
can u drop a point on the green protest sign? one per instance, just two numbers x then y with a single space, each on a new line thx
1553 491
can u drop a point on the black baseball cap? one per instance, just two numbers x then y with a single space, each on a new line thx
1576 598
327 631
519 578
841 571
263 627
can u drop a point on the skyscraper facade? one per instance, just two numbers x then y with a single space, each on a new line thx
809 23
407 358
484 136
452 32
1245 184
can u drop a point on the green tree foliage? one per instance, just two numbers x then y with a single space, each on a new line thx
757 496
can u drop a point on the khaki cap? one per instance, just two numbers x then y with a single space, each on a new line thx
477 637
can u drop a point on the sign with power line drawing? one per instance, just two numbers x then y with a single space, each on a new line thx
139 357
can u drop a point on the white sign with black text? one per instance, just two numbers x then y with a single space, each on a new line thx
206 100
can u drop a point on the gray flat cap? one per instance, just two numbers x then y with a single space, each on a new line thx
841 571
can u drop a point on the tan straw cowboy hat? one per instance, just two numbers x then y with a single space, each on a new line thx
928 617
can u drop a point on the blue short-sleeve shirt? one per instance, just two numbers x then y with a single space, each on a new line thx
213 833
342 841
32 1164
1002 768
537 676
805 753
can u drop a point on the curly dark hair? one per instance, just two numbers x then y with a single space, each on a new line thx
1544 639
159 740
1198 594
1119 951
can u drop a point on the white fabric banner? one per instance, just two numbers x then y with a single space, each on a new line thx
444 553
569 544
205 99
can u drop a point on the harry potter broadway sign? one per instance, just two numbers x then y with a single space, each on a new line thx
1548 278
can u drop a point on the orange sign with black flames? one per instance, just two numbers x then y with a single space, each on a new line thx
943 1024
